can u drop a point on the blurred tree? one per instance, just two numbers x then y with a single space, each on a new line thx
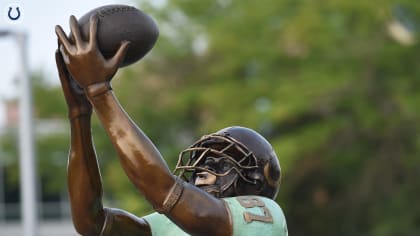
329 83
332 84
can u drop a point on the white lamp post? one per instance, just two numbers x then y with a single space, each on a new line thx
27 165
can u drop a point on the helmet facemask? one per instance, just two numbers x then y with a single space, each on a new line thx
222 156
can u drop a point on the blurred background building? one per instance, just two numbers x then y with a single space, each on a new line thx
54 212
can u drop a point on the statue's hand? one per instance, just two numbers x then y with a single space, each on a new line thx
77 102
83 59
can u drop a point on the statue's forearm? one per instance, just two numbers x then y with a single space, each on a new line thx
84 180
140 159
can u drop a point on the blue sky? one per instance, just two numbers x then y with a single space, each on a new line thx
38 20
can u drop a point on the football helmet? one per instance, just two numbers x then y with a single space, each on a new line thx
243 161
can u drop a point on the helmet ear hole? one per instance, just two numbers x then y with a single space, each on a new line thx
243 187
256 176
258 179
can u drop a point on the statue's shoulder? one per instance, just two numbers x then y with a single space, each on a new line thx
256 215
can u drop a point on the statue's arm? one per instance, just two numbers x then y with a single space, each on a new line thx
84 180
195 211
190 208
85 189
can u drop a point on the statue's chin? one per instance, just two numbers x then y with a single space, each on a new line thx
211 189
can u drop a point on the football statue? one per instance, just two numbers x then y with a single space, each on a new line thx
223 184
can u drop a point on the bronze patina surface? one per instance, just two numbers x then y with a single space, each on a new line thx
234 161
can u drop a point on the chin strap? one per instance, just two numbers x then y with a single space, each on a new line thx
213 190
224 187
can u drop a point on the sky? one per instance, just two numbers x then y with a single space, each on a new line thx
37 19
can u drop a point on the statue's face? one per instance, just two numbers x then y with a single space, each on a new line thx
215 177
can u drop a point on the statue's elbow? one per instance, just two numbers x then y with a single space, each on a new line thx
86 227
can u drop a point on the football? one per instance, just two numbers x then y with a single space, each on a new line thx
118 23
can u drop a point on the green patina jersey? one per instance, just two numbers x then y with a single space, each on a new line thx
251 215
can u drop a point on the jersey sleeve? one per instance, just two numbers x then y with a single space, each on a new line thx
161 225
256 215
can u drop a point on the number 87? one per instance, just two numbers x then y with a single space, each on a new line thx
250 202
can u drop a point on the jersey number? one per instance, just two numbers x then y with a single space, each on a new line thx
251 201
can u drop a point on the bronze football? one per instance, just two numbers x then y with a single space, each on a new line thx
118 23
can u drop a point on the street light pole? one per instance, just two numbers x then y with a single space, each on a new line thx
27 157
26 140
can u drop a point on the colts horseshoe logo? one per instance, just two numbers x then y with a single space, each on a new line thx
15 16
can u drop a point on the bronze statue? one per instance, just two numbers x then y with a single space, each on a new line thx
223 184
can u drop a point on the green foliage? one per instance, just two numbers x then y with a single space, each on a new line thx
48 99
324 81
